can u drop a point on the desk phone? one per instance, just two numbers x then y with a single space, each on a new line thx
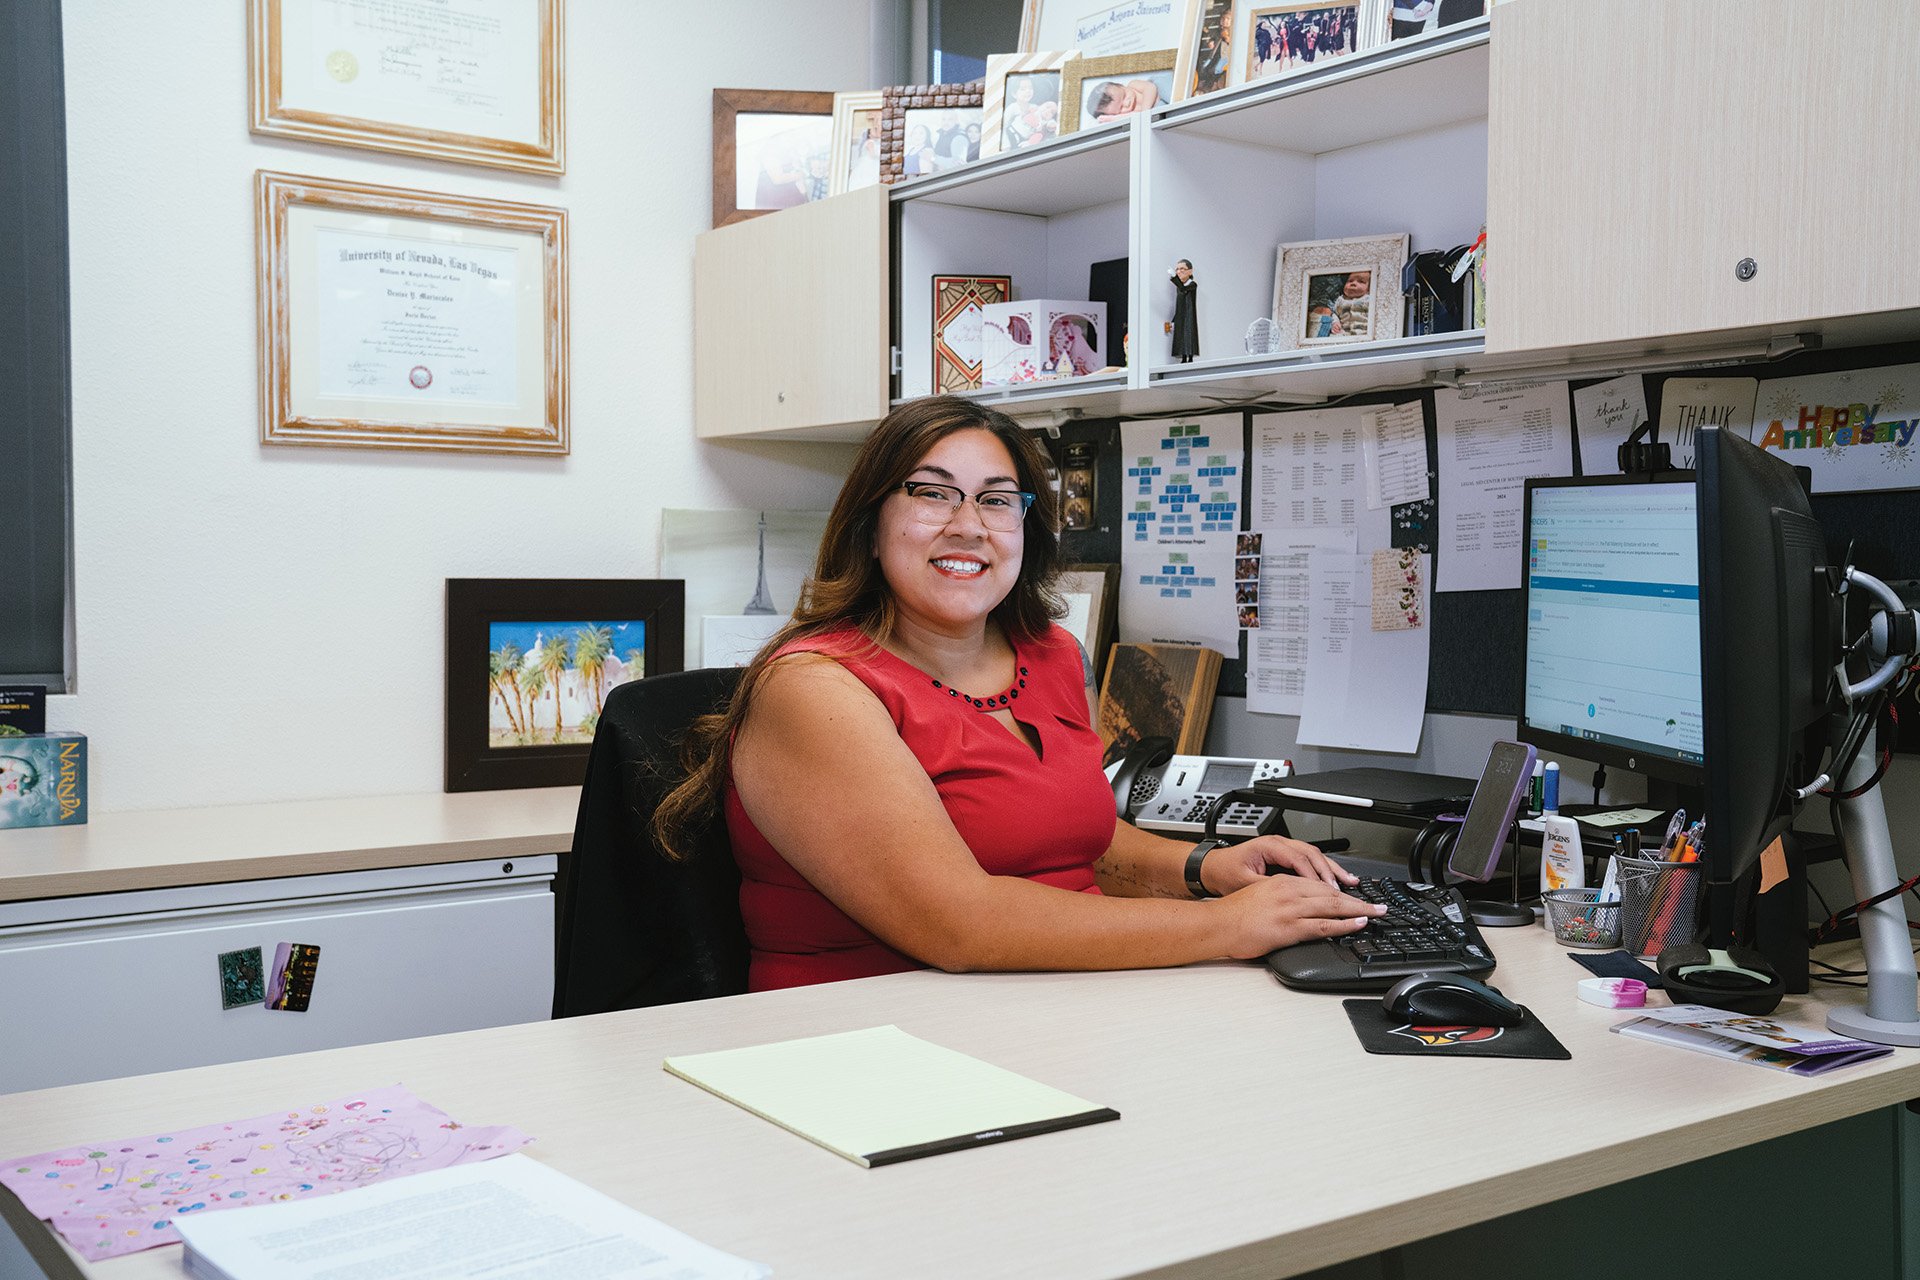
1170 794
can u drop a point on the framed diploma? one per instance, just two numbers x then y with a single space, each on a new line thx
400 319
477 81
1104 28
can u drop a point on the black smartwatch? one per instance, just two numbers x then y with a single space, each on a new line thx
1194 859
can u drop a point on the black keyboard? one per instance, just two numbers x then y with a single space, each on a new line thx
1426 930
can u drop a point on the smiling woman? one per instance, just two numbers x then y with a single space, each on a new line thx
907 771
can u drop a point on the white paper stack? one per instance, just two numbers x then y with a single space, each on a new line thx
501 1219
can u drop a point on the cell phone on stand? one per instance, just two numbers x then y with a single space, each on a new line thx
1489 825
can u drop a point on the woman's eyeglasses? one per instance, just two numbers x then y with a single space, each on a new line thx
1001 510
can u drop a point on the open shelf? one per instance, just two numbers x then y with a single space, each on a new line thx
1070 172
1433 80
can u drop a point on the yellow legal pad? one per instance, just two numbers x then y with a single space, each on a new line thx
880 1096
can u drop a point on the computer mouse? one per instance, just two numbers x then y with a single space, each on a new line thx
1450 999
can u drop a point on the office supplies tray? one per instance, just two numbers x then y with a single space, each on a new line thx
1426 930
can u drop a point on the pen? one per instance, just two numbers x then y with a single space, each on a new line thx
1675 826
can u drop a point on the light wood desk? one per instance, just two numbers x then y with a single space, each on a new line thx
1248 1113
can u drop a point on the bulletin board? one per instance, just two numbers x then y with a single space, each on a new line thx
1475 662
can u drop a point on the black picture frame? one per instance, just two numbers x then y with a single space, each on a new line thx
475 604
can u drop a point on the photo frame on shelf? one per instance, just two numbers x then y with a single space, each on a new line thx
959 309
400 319
1021 104
529 663
1206 60
1098 30
772 149
430 83
856 142
1291 37
1097 91
1333 292
929 128
1091 592
1427 16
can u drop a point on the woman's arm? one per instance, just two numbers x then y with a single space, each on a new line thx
1139 864
823 774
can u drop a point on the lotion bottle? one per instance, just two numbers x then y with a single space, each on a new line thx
1561 865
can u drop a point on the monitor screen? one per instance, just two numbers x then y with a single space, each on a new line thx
1613 624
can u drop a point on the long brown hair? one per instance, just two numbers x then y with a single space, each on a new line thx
847 587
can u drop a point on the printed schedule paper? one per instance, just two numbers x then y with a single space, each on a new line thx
880 1096
511 1217
1492 440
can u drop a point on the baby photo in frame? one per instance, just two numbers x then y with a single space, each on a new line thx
1332 292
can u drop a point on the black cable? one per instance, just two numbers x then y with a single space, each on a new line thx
1599 781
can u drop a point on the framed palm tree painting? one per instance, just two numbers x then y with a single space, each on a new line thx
530 662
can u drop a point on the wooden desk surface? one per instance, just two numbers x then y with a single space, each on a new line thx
115 852
1251 1120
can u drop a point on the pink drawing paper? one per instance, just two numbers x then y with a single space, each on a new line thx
110 1198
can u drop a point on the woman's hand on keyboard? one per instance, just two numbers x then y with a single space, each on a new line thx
1237 866
1279 911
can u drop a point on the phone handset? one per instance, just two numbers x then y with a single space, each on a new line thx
1139 771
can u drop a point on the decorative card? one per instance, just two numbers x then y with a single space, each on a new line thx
959 304
1854 428
1397 577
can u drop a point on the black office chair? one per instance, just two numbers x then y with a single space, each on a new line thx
633 929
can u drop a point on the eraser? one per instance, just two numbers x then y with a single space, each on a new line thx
1614 993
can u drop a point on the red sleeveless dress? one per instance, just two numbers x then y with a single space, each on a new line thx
1047 817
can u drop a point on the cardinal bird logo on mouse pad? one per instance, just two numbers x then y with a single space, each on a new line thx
1383 1032
1441 1037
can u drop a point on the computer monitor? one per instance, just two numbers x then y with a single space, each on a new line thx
1769 641
1612 644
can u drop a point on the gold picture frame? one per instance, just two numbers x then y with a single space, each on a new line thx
399 319
1125 70
506 108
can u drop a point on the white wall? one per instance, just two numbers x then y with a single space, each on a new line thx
259 624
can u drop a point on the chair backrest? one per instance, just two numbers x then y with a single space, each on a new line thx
631 927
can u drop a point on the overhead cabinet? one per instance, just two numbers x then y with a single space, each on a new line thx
1659 169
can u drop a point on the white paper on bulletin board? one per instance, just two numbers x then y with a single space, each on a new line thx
1855 428
1279 650
1367 689
1180 509
1492 440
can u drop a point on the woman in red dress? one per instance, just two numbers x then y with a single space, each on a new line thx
908 773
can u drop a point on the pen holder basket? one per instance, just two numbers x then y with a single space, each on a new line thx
1577 918
1660 903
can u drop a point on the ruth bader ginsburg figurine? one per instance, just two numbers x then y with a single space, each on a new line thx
1185 327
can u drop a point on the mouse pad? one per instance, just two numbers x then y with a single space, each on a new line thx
1614 964
1381 1032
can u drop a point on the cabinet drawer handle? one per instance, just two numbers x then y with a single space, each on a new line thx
1746 269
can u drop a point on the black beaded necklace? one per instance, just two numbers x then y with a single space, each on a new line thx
988 704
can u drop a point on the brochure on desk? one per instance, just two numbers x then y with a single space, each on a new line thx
1797 1050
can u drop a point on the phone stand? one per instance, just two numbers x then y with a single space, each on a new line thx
1504 915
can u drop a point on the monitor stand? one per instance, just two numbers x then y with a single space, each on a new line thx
1505 915
1892 1013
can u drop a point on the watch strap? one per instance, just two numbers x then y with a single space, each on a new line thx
1198 855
